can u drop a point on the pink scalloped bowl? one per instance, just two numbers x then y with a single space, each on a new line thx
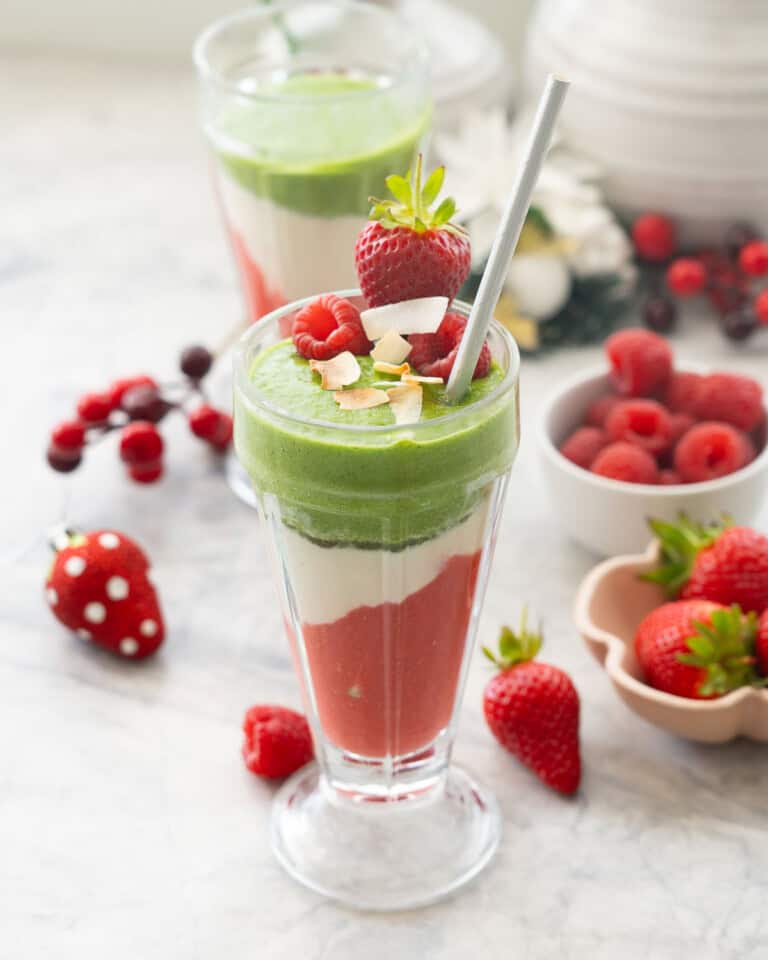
610 604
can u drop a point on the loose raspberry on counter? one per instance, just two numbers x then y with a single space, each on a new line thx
711 450
730 398
624 461
327 327
641 362
643 423
433 354
583 446
277 741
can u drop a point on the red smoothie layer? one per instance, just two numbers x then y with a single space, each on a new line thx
259 297
385 677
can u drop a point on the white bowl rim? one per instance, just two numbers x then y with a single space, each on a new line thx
549 449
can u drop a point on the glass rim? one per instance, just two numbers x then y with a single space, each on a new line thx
243 384
206 71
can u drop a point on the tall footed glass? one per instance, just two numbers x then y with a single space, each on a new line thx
382 538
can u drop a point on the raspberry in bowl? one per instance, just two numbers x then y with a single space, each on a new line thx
642 437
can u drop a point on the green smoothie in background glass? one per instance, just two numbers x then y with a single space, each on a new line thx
307 106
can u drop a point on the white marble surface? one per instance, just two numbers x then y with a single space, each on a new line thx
128 826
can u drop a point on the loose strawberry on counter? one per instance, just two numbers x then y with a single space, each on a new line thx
532 709
407 250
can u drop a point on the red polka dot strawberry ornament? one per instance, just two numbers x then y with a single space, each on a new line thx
99 587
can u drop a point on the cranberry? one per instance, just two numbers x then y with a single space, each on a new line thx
94 407
753 258
195 361
63 461
654 237
761 307
211 425
120 387
146 472
660 314
144 402
686 276
739 324
140 443
738 235
69 435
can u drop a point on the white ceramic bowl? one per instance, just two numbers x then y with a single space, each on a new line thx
610 604
609 517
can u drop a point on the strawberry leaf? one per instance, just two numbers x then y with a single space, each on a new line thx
411 205
400 189
433 186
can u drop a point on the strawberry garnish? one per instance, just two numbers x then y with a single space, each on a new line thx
532 709
98 586
433 354
327 327
761 645
277 741
697 648
408 251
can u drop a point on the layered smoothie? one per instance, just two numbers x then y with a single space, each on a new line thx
296 159
381 531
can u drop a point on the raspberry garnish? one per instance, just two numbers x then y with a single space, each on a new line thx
624 461
433 354
712 450
731 398
643 423
641 362
583 446
328 326
277 741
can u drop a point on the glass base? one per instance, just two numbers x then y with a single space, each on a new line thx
239 481
384 856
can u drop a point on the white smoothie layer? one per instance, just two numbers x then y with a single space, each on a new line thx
329 582
299 254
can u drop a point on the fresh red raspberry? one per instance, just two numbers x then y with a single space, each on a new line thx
433 354
654 237
140 443
327 327
599 409
761 307
69 435
643 423
686 276
681 423
753 258
119 388
669 478
94 407
624 461
641 362
730 398
681 392
277 741
146 472
212 425
710 450
583 446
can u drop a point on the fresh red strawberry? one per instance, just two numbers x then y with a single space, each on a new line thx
681 392
643 423
641 362
730 398
598 410
624 461
99 587
433 354
408 251
327 327
761 644
711 450
583 446
717 562
277 741
532 709
696 648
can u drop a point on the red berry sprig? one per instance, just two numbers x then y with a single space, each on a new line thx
135 406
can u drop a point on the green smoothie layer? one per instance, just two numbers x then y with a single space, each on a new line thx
384 488
325 147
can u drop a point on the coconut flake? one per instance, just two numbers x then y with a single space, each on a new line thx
414 378
397 370
405 401
339 371
422 315
360 399
392 348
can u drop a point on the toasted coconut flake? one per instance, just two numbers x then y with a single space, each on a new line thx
397 370
422 315
360 399
415 378
405 400
392 348
339 371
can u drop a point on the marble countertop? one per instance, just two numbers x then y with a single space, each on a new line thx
128 825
